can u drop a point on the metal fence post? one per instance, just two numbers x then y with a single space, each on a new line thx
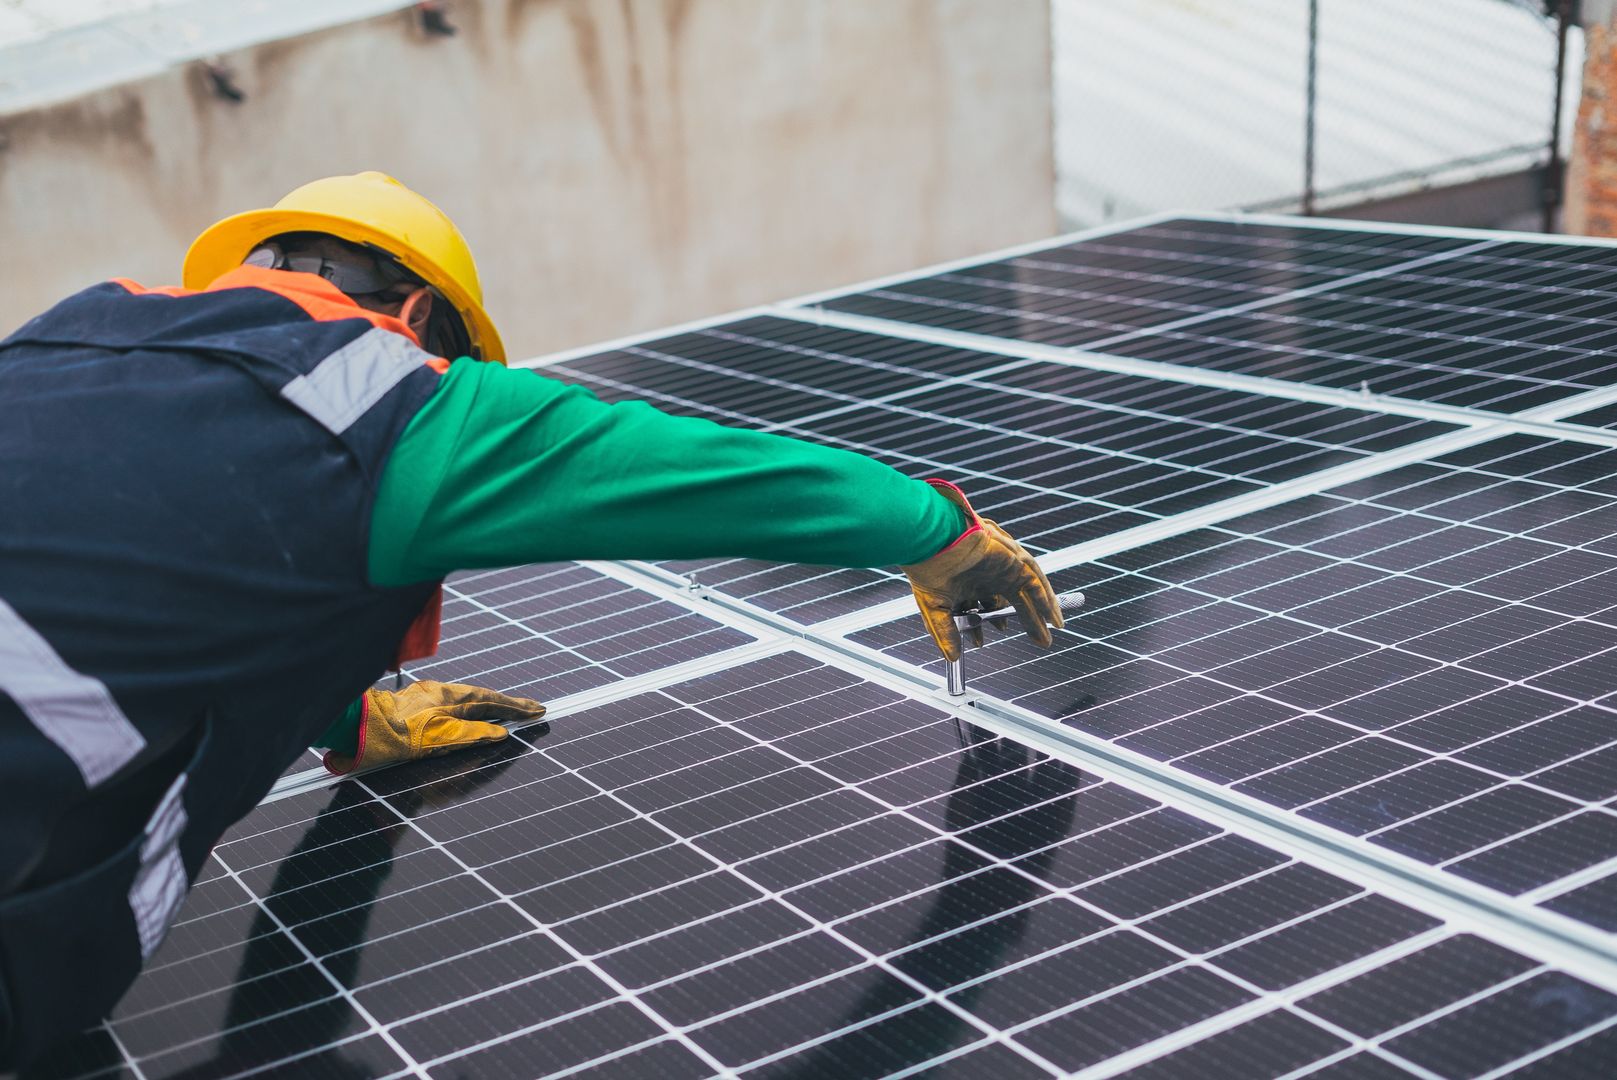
1308 120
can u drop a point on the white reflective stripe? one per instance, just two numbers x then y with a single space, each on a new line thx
159 885
355 377
76 712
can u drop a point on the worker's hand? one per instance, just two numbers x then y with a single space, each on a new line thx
427 718
984 569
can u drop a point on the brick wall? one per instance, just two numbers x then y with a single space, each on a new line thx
1591 185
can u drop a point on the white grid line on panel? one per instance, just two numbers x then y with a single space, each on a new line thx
1346 630
724 912
133 1065
999 255
1397 873
605 1059
642 336
595 348
1251 1010
1387 735
1173 281
681 1032
941 1059
529 1029
623 993
1207 314
1562 886
1090 357
304 1055
297 783
1213 514
1551 938
1544 1052
1238 217
1201 517
848 402
1163 226
1209 469
463 912
1557 408
413 1067
1153 914
1569 944
980 381
816 924
1416 280
1581 402
486 992
1437 372
1371 366
994 860
1375 1043
548 637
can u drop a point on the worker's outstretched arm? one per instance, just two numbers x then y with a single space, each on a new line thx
503 467
507 467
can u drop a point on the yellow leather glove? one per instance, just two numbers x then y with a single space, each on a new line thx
985 568
428 718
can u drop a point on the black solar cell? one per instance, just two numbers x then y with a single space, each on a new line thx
782 868
1421 657
1473 322
1092 290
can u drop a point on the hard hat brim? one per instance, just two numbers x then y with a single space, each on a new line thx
222 247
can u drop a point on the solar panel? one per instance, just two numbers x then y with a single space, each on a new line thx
1092 291
1056 454
781 868
1471 322
1421 658
1319 782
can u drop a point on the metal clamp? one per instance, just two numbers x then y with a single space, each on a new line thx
973 618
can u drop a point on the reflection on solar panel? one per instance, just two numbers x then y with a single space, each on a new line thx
1320 783
1093 291
1482 323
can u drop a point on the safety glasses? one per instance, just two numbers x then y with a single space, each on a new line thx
360 275
368 273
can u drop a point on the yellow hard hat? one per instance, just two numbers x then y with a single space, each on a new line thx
365 208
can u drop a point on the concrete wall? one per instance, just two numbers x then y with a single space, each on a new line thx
615 165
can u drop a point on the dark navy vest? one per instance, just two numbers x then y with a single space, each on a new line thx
186 484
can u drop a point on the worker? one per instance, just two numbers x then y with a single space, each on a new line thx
227 509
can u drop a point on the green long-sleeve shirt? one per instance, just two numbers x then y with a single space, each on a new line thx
505 466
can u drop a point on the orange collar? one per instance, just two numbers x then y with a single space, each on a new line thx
318 297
